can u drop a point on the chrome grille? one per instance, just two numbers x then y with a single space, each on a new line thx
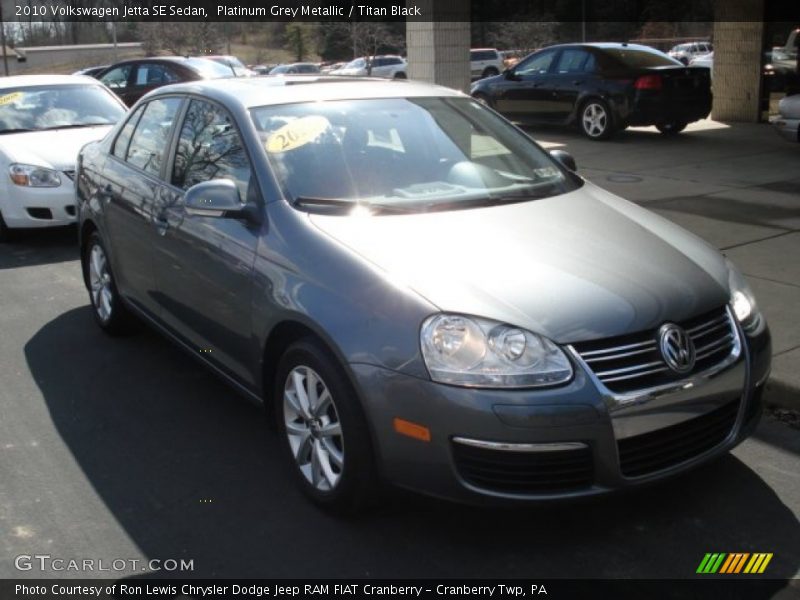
634 362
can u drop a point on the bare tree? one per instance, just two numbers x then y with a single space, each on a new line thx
524 35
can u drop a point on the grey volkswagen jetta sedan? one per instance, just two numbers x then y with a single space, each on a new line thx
417 291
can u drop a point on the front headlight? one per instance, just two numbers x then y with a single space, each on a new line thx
33 176
476 352
742 300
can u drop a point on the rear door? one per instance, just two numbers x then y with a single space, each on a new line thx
203 265
133 181
572 75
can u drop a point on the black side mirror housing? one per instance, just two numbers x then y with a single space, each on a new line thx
565 158
511 75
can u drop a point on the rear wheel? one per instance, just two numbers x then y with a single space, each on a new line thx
489 72
595 120
671 127
108 309
400 75
324 431
5 234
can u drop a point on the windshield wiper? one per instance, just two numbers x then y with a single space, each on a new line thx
308 201
16 130
73 126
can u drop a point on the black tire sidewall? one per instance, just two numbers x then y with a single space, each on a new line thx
358 482
5 232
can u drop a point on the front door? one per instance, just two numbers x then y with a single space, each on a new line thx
526 94
204 265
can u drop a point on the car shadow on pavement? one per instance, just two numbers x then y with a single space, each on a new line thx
32 247
190 471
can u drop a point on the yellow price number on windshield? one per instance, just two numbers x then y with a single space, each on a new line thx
9 98
296 134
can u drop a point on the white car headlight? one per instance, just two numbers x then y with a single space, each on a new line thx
742 300
33 176
476 352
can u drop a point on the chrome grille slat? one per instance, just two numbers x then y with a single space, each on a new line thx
634 362
635 375
591 353
629 370
618 356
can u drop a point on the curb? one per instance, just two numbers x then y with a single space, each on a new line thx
782 394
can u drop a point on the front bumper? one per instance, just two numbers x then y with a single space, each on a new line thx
786 128
559 432
29 207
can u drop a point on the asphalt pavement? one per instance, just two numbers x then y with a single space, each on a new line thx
126 449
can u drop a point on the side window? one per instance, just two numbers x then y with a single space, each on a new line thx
536 64
210 148
155 74
571 61
150 138
124 137
117 78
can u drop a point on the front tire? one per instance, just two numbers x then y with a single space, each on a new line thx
108 309
672 127
5 234
595 120
324 433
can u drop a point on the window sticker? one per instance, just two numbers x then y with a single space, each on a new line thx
296 134
9 98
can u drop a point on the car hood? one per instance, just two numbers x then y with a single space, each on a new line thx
56 148
580 266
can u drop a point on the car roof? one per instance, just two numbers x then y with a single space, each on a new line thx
262 91
30 80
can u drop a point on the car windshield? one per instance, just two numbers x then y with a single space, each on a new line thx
209 69
36 108
403 155
640 59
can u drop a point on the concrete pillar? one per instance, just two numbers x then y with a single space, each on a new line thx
738 43
438 51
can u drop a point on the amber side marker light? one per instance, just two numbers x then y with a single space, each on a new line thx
412 430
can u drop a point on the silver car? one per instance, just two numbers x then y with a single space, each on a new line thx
418 292
787 122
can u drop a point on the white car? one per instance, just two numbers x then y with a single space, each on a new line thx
787 123
44 122
686 52
485 62
390 66
706 61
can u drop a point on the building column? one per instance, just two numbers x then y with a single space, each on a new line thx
738 44
438 50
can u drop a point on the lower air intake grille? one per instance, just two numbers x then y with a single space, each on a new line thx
657 450
525 472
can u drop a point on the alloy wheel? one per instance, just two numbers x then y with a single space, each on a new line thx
313 428
595 120
100 283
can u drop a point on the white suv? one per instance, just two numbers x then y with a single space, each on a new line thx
485 62
686 52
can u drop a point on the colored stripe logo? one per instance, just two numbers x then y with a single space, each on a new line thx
734 563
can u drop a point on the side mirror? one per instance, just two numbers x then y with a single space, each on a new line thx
215 198
565 158
511 74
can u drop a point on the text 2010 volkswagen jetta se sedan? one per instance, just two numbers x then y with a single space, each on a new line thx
419 291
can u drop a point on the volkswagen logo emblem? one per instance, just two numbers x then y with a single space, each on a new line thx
676 347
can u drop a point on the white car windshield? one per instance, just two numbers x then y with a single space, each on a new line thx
403 155
37 108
